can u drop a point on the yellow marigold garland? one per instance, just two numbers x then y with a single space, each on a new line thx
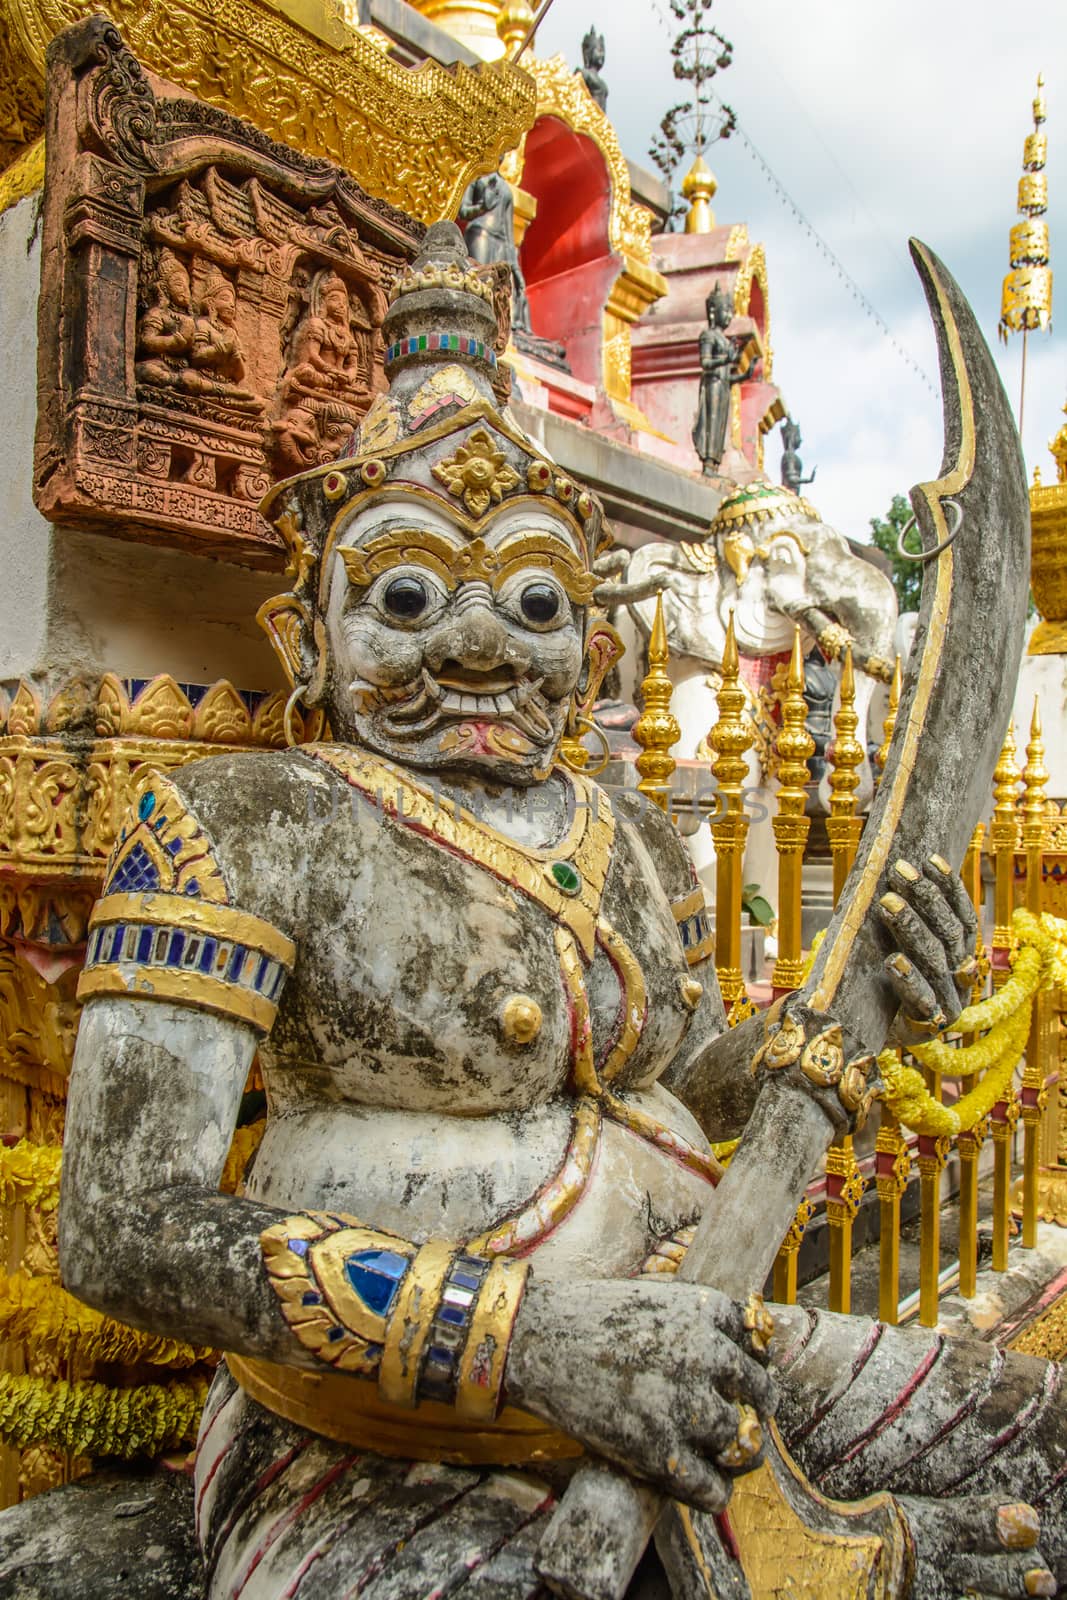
29 1174
1003 1018
90 1419
53 1322
908 1098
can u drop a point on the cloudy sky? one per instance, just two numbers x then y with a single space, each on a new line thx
880 121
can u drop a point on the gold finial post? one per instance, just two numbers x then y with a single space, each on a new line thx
656 730
843 827
1026 295
698 187
892 1165
1035 1094
969 1142
730 739
845 1185
794 747
895 686
1004 837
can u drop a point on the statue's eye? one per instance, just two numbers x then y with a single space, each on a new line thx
540 602
406 598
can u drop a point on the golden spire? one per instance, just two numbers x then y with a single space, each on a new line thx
842 825
656 730
794 748
891 715
1005 790
1035 777
698 186
794 745
729 738
1026 297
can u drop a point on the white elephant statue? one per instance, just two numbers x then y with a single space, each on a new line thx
771 560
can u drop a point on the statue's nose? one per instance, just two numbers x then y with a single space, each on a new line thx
473 636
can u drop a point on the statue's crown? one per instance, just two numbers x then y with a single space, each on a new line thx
438 435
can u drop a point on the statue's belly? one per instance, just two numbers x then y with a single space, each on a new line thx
425 1176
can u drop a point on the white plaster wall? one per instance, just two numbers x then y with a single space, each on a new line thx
87 602
136 610
24 534
1046 678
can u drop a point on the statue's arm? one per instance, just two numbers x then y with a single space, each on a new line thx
144 1234
711 1071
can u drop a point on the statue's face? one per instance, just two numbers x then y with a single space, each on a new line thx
337 303
472 676
224 304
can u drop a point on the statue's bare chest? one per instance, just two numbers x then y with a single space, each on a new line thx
444 968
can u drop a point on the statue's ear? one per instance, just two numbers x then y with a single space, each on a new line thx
299 642
603 648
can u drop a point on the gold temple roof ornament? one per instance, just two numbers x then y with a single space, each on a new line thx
1026 297
1048 553
302 75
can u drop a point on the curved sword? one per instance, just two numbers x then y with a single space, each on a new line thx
955 704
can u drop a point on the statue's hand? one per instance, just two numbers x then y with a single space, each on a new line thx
981 1546
663 1378
934 928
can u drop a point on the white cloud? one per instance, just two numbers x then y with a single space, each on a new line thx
881 122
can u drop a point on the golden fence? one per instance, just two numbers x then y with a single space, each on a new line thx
996 1069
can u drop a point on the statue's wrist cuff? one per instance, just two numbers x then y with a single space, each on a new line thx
449 1334
813 1052
433 1322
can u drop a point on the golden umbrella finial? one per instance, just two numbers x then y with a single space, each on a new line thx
698 187
1026 296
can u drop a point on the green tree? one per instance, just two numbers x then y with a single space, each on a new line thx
907 575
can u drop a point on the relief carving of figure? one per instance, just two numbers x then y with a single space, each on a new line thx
167 328
493 1044
719 371
187 339
329 373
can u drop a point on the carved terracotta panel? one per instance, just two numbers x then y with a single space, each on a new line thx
211 308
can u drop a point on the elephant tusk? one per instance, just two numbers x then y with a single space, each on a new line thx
923 556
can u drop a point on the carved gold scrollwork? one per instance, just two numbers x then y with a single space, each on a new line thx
823 1058
414 138
782 1048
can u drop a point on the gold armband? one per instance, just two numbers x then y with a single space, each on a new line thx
165 929
174 947
432 1323
694 927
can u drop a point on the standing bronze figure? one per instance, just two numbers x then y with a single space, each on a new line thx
487 213
593 66
719 363
792 466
